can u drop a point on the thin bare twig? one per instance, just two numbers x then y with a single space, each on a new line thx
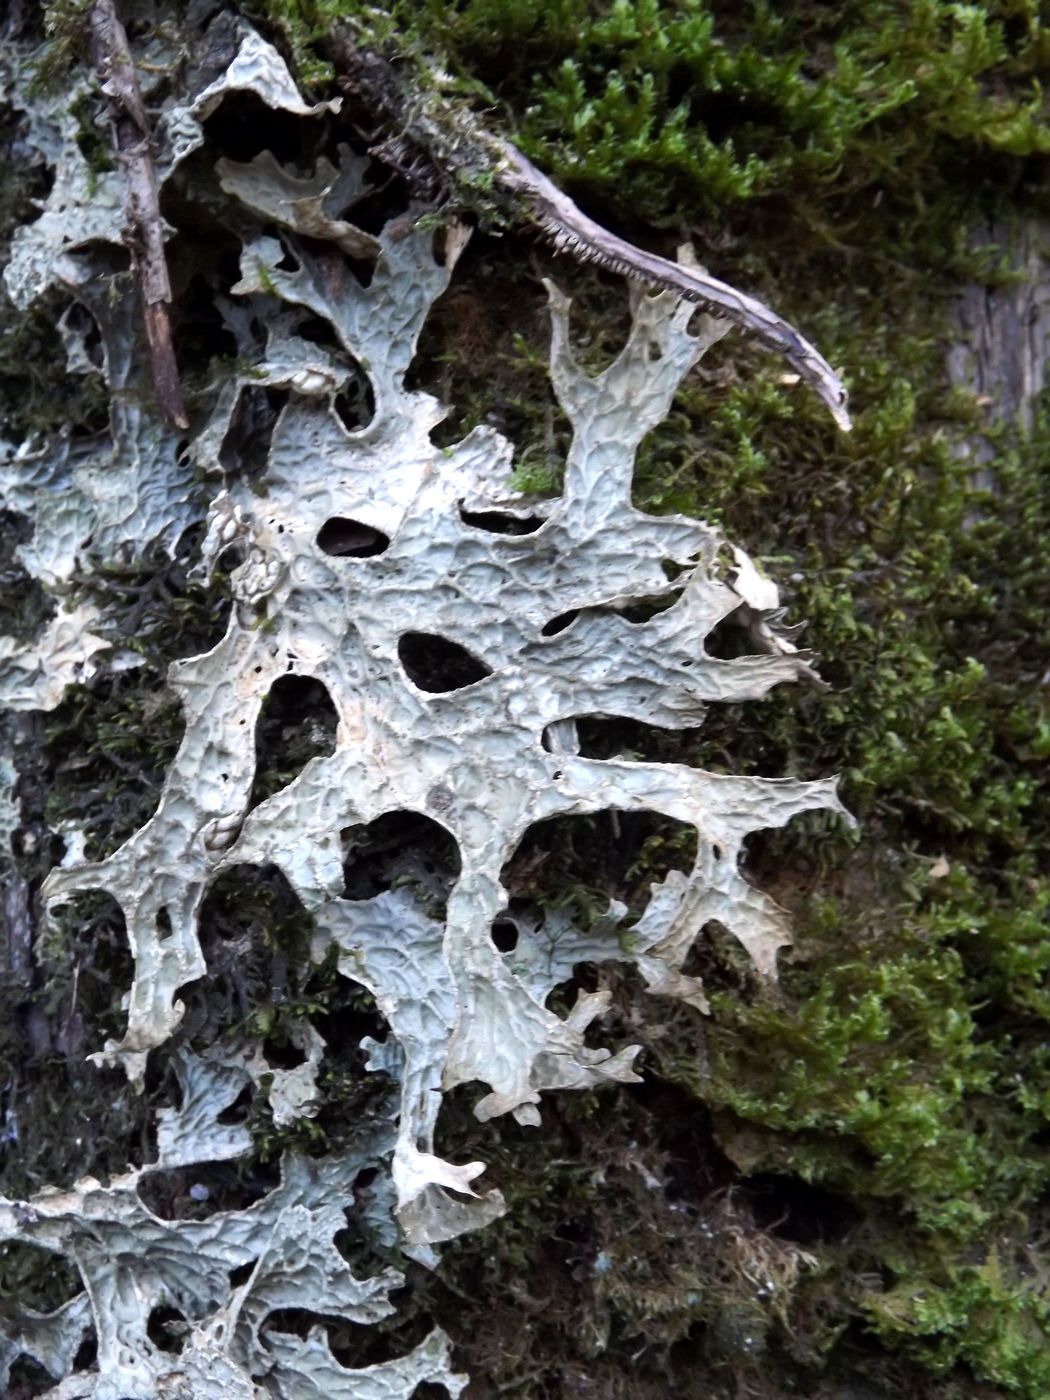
573 232
489 172
143 230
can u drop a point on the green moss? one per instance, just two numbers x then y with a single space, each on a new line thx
705 104
974 1313
680 111
110 746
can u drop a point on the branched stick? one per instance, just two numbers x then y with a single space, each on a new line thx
490 173
143 230
573 232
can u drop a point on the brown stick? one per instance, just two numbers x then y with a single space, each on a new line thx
573 232
143 230
461 152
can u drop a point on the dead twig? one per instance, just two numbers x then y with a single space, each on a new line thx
487 172
143 230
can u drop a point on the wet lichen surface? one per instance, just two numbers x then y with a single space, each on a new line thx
833 1186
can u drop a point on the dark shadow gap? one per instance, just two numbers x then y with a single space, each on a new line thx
246 447
297 723
505 935
438 664
559 623
165 1329
351 539
728 640
355 403
498 522
401 849
799 1211
237 1112
243 126
199 1191
577 864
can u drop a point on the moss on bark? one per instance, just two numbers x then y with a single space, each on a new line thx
837 1188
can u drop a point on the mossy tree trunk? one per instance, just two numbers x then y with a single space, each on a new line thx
834 1188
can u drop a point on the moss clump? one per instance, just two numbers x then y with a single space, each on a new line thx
670 109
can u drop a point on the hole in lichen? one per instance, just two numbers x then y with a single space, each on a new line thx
282 1053
355 404
165 1328
350 539
246 447
604 739
438 664
297 723
505 935
362 269
499 522
579 863
295 1322
318 331
237 1112
358 1242
36 1277
243 126
559 623
204 1189
727 639
399 849
353 1344
86 957
240 1275
25 608
80 321
198 261
349 1014
719 960
28 1378
109 747
564 995
256 937
359 1345
645 609
87 1354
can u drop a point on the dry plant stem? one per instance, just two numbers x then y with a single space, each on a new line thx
573 232
454 144
143 233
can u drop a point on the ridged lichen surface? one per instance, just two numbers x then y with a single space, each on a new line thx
461 632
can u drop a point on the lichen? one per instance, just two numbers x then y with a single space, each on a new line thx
134 1262
417 581
462 633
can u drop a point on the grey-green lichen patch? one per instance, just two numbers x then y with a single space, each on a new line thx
309 205
479 758
36 678
461 631
107 499
133 1262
